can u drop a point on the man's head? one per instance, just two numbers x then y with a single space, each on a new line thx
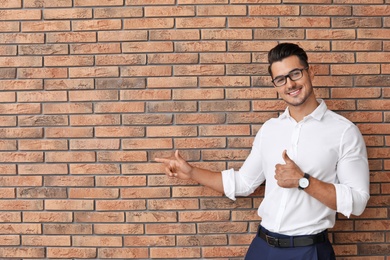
284 50
291 75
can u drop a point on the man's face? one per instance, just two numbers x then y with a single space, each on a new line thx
294 93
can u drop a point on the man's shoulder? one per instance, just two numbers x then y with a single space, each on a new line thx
335 120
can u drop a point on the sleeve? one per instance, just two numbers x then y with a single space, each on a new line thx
352 191
248 178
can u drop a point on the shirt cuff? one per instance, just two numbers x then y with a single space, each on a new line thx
229 186
344 199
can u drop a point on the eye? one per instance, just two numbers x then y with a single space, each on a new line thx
279 80
295 74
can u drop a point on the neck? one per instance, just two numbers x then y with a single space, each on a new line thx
299 112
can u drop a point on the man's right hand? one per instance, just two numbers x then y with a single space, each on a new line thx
176 166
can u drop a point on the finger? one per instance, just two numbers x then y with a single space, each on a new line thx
162 160
168 171
286 158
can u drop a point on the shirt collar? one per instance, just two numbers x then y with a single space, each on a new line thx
317 114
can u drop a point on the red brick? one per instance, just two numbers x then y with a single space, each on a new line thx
93 193
22 38
94 144
230 252
115 181
67 13
99 217
169 11
204 216
43 144
7 193
97 241
285 34
69 205
71 37
97 119
69 181
356 93
148 23
118 12
143 241
47 217
127 253
46 241
151 216
176 204
71 252
171 131
104 205
94 48
128 229
217 10
67 229
203 46
101 3
45 26
18 157
21 61
135 192
63 132
70 157
94 169
200 22
74 60
176 252
35 73
121 156
9 240
42 192
170 228
22 252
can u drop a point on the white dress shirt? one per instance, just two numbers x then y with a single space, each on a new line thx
325 145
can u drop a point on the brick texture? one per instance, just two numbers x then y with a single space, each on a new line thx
93 91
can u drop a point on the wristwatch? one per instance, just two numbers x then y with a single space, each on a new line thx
304 182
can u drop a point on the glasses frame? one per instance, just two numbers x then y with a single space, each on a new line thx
288 76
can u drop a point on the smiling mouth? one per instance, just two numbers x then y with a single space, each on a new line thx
295 92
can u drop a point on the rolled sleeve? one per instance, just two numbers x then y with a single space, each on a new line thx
229 184
352 193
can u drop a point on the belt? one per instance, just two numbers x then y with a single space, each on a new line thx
293 241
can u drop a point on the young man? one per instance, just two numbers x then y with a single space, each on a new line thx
313 160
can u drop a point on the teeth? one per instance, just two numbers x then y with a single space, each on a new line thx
294 92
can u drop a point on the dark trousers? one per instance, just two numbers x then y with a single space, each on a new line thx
260 250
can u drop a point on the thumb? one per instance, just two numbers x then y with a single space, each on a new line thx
286 158
177 156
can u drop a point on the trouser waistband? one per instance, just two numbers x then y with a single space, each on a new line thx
291 241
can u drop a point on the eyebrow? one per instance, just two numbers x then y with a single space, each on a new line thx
284 75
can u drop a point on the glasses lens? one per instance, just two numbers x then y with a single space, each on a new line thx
295 74
280 81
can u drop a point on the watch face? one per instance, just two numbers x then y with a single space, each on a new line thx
303 183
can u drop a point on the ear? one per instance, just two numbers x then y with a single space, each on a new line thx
310 70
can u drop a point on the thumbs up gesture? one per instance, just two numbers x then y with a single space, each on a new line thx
288 174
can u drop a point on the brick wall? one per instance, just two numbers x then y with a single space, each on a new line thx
92 91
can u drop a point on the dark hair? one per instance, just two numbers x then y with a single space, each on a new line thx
284 50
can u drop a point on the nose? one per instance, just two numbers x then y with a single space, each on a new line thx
289 82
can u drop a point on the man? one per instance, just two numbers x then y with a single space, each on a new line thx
313 160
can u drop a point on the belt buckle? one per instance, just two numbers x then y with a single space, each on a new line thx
272 241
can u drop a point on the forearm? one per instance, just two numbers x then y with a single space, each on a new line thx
208 178
323 192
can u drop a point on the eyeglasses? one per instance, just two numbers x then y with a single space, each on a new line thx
293 75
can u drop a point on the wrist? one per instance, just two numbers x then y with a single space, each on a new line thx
304 182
